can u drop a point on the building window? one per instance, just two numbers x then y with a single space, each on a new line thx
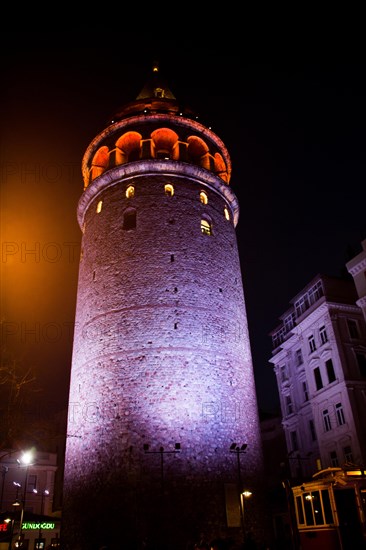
318 378
326 421
226 214
99 207
305 391
330 371
299 357
348 456
169 190
361 361
289 407
323 335
283 373
340 414
353 328
294 443
130 192
206 228
333 459
203 197
312 345
129 219
312 430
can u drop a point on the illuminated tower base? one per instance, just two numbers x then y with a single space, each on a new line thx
162 380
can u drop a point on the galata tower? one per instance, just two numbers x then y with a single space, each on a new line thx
163 430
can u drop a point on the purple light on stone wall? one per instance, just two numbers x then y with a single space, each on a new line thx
161 350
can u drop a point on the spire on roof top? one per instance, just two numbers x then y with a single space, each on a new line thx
155 87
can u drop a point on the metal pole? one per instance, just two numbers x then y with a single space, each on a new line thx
5 470
23 505
240 495
161 450
11 533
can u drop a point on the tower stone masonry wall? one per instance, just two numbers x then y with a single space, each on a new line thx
161 356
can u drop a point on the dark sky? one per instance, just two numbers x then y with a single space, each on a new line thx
296 136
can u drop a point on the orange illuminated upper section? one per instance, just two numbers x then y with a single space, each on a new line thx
155 127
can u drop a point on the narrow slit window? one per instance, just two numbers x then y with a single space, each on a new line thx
169 190
99 207
226 214
203 197
130 192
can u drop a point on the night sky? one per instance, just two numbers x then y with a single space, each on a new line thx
296 136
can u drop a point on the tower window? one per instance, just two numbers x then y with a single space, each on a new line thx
203 197
129 219
99 207
130 192
206 227
226 213
169 190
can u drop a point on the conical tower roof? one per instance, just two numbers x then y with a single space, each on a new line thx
155 87
155 97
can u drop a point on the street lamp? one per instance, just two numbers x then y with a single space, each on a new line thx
10 520
44 493
238 450
162 452
25 460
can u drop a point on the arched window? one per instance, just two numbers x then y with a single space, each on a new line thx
129 219
128 147
130 192
169 190
165 144
100 162
206 227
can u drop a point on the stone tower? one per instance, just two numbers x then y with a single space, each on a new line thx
162 379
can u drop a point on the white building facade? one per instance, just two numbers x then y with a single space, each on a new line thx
319 358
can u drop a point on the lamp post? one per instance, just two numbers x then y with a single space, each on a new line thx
26 461
239 450
10 520
162 452
4 471
44 493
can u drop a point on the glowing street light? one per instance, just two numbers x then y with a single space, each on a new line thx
25 460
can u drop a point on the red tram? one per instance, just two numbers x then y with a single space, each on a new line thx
331 510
